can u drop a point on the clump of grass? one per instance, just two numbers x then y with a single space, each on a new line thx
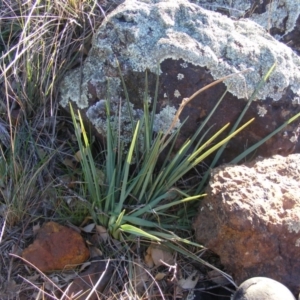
138 196
21 174
39 42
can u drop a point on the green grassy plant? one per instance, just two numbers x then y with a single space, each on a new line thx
23 173
138 197
39 42
143 200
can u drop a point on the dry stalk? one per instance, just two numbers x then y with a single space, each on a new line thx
185 101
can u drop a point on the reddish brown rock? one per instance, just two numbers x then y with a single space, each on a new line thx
56 247
251 219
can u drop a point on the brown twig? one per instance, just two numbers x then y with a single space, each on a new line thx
185 101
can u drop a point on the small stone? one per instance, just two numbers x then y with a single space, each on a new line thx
56 247
262 288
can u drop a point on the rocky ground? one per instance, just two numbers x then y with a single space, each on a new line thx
249 219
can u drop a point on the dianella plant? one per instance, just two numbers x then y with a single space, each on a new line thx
137 195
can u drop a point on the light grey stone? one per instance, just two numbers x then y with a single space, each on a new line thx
262 288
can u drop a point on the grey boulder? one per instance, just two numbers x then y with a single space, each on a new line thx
190 47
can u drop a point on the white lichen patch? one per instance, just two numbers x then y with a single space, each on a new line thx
294 226
294 139
210 207
296 101
280 14
177 93
70 91
297 243
184 65
180 76
119 120
164 119
261 110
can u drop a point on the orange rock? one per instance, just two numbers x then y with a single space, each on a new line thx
56 247
251 219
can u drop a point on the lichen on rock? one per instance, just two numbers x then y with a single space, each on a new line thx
164 119
139 36
120 119
277 14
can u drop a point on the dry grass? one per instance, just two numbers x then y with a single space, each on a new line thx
39 42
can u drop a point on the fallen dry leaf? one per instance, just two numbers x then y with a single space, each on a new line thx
71 163
158 255
148 259
86 280
190 282
95 251
88 228
141 276
78 156
160 276
102 232
84 266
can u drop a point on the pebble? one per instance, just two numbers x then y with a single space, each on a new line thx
262 288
